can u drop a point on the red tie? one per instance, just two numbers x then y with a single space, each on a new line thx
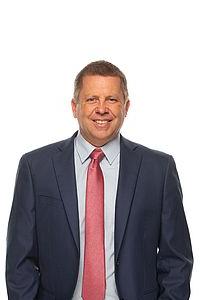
94 257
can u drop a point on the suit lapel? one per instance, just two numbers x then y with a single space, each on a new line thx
65 173
130 161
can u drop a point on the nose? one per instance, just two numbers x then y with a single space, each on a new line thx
101 107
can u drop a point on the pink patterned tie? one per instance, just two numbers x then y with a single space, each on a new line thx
94 257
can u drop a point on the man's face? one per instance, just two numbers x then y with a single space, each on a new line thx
100 109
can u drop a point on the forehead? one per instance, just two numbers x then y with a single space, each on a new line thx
100 84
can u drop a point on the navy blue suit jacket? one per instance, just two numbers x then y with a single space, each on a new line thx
153 256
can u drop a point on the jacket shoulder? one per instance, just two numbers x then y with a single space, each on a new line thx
46 151
147 152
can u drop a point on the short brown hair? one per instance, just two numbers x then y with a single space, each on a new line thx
103 68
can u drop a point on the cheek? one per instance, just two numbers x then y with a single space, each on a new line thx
117 109
86 110
83 117
119 112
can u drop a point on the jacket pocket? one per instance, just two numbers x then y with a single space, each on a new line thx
48 200
150 294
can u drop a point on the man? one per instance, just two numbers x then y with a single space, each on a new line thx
97 216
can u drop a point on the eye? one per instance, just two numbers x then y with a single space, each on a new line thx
112 100
91 99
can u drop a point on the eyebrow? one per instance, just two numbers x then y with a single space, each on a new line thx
95 96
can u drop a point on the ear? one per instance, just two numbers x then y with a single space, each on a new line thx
127 105
74 106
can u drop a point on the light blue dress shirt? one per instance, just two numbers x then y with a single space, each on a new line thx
110 169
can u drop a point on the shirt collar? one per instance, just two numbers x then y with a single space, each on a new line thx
84 148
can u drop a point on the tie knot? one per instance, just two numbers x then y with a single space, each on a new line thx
97 154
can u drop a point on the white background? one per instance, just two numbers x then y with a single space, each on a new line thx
155 43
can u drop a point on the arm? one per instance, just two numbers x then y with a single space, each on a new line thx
22 276
175 259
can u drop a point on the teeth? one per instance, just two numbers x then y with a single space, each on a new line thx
101 122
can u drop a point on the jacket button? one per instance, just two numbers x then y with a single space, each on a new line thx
118 265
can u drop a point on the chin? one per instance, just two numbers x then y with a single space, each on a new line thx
101 140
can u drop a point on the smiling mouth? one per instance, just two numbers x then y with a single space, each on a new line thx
101 122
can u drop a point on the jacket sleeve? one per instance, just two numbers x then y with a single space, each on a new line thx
175 259
22 273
